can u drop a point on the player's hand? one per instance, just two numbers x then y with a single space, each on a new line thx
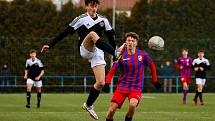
157 85
25 77
188 64
196 68
37 78
44 48
201 68
106 88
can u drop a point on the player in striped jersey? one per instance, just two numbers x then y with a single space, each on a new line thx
131 80
200 66
90 27
34 71
184 64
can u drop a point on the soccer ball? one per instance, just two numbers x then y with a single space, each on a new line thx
156 43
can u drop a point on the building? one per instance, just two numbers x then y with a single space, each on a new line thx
121 5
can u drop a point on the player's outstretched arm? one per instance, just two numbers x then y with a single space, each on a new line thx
53 42
153 71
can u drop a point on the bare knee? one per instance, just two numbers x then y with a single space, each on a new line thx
99 85
133 105
93 36
29 87
111 111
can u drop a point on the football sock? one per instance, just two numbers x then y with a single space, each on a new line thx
200 96
92 96
128 119
105 47
28 96
109 119
38 97
185 94
196 96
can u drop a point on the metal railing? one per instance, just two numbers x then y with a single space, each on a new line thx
83 81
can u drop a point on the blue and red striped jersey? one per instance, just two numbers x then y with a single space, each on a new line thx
132 71
184 65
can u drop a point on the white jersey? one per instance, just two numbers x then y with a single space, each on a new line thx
204 63
84 24
34 67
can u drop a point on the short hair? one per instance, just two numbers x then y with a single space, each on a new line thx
33 51
131 34
87 2
201 51
185 49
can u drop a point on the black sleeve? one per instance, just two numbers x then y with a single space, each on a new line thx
68 30
111 37
195 65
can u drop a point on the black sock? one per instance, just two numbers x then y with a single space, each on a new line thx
196 96
38 97
128 119
28 96
109 119
105 47
92 96
200 96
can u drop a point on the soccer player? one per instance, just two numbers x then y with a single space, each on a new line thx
90 27
34 71
200 66
131 80
184 64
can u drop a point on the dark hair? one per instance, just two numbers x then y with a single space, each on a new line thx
185 49
91 1
201 51
33 51
131 34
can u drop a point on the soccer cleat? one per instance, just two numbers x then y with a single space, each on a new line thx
201 103
184 102
28 106
38 105
90 110
195 101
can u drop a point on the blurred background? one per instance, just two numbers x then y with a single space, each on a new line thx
27 24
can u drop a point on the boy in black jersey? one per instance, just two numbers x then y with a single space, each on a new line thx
200 66
90 27
34 71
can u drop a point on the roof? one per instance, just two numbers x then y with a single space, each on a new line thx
120 4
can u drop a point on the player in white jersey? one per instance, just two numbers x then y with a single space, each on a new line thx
90 27
200 66
34 71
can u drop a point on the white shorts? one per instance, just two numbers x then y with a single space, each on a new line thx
95 58
35 83
200 81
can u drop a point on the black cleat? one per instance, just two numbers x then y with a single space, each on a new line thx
28 106
195 101
201 103
38 105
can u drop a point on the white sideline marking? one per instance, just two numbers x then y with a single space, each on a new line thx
148 97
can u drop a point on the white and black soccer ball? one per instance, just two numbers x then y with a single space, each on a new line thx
156 43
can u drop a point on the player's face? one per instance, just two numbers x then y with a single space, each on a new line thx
201 54
184 53
131 43
92 9
33 55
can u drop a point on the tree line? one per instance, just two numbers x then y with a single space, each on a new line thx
27 24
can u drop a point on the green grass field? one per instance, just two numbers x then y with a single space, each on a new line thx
67 107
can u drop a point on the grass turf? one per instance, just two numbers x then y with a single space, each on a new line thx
67 107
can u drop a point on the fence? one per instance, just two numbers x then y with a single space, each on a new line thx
83 83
